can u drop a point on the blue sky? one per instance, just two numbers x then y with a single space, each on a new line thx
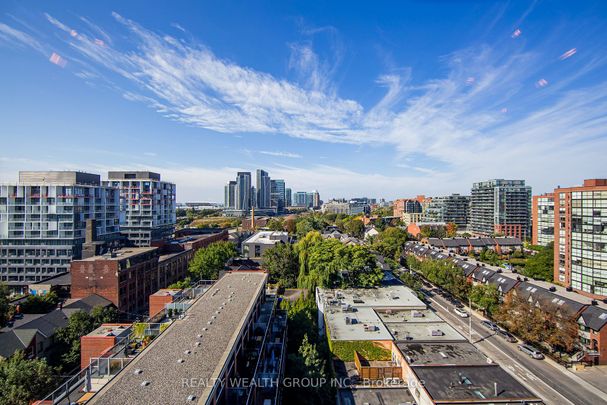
384 99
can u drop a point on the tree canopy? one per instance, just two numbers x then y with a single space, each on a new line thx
330 263
281 262
390 242
4 304
208 262
541 265
23 380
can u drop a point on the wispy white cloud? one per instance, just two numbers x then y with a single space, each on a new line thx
281 154
498 124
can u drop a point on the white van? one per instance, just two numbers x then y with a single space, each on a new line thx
460 312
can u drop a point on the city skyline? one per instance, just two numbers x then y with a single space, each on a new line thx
352 106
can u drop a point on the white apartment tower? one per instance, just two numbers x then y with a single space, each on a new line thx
148 204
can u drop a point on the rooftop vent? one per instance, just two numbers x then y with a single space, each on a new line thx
145 383
180 361
138 371
187 352
191 398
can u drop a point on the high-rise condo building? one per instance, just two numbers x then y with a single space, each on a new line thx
230 194
315 199
148 204
453 208
243 191
263 189
299 199
277 194
542 214
501 207
43 221
580 237
288 197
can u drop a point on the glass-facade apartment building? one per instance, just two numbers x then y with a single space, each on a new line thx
580 237
543 219
501 207
43 221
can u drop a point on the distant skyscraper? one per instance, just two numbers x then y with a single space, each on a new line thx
288 197
230 194
277 194
263 189
148 204
299 199
309 200
243 191
502 207
315 199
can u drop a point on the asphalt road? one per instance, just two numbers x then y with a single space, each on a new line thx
548 380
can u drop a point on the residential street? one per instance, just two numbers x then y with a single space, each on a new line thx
544 377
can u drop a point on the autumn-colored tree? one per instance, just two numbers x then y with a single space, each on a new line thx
451 229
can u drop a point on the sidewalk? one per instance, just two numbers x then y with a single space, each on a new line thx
595 376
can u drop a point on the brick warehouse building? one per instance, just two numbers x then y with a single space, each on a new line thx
128 276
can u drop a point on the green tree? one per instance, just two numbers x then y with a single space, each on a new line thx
182 284
541 265
4 304
390 242
490 257
275 224
101 314
208 262
486 297
282 264
39 304
68 338
354 227
23 380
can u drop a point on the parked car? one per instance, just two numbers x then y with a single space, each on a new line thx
531 351
460 312
490 325
509 337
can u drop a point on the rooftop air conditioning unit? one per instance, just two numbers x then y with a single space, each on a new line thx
437 332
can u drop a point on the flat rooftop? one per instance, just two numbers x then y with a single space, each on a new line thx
425 332
364 324
268 237
111 330
222 311
121 254
398 297
384 396
442 354
168 291
411 315
472 383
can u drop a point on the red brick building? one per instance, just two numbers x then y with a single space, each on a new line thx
96 343
580 237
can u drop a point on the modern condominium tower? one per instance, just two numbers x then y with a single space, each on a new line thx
452 208
43 221
543 219
148 204
263 187
230 194
501 207
243 191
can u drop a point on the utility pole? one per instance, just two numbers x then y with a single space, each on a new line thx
470 319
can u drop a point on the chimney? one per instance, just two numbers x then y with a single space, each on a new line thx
495 388
91 231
